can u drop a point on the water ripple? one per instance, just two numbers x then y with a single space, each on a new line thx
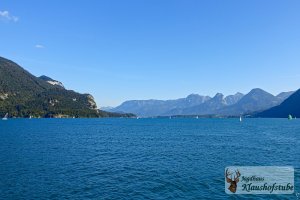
138 159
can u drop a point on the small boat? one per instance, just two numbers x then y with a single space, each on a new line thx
5 117
170 117
290 117
197 117
241 119
30 117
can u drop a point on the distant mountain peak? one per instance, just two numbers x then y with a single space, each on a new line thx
46 78
232 99
106 108
257 90
219 96
195 104
51 81
284 95
289 106
193 95
238 93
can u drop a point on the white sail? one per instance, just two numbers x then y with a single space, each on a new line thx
240 118
5 117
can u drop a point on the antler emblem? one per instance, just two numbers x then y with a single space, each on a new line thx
233 183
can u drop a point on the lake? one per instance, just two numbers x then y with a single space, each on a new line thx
139 158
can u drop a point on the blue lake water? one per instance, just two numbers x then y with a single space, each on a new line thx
139 159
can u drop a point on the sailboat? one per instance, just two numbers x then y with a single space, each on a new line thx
5 117
290 117
240 118
197 117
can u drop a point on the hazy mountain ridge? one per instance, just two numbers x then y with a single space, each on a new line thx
284 95
205 108
256 100
290 106
232 105
232 99
159 107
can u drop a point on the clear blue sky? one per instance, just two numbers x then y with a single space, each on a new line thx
162 49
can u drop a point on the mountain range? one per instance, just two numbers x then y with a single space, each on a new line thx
233 105
290 106
23 94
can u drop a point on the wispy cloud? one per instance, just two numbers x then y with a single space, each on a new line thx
39 46
6 16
